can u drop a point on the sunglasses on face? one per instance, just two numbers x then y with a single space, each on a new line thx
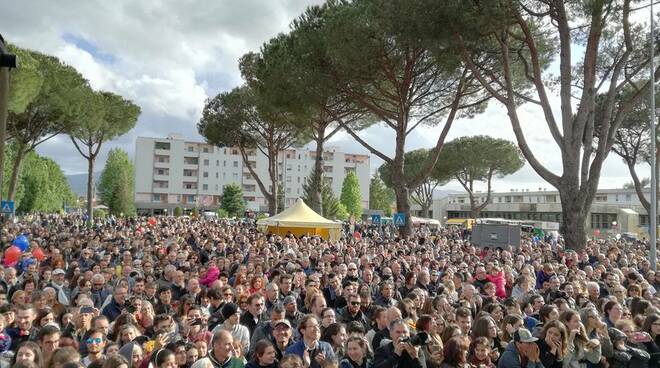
96 340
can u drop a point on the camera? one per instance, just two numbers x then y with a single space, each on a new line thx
420 339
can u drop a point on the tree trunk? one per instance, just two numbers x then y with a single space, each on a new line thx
16 170
4 97
573 224
90 190
425 210
272 198
317 176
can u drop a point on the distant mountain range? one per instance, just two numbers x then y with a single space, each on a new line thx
78 182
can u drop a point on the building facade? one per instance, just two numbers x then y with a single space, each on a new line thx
172 172
612 211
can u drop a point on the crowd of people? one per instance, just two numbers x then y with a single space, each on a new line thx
193 292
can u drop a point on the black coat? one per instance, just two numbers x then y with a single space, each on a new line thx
384 357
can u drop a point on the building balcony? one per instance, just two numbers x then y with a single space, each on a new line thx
162 152
189 191
191 179
161 165
160 190
161 177
191 166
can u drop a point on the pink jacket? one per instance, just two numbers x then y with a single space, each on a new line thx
500 282
210 277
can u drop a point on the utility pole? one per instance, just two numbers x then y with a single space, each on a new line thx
653 216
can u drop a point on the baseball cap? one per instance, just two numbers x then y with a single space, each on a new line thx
523 335
58 271
283 322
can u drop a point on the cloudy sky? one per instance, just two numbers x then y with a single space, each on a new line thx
169 56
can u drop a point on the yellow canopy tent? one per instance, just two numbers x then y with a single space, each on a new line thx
300 220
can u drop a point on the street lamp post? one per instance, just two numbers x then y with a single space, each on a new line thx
653 216
7 61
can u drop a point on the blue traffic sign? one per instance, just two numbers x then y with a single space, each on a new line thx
7 206
375 219
399 219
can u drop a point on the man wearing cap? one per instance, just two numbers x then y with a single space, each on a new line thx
264 330
282 337
231 324
522 352
57 283
291 310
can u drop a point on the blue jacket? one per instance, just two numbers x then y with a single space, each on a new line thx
299 349
112 310
511 359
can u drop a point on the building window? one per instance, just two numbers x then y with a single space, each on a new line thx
190 185
162 171
162 146
224 163
234 152
206 150
288 179
235 176
235 163
551 199
299 180
288 190
161 184
162 158
205 174
190 160
206 162
327 169
156 198
601 198
216 175
216 187
191 149
628 197
348 170
205 187
191 199
217 163
188 172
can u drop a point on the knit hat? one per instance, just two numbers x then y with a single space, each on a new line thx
229 310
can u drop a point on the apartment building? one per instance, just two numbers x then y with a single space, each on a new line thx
172 172
612 211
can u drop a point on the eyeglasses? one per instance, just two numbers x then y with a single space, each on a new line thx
96 340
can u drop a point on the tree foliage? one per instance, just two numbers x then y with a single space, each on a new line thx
240 119
351 197
117 182
381 197
372 56
105 117
475 159
41 185
330 205
232 200
632 143
422 194
45 101
512 41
